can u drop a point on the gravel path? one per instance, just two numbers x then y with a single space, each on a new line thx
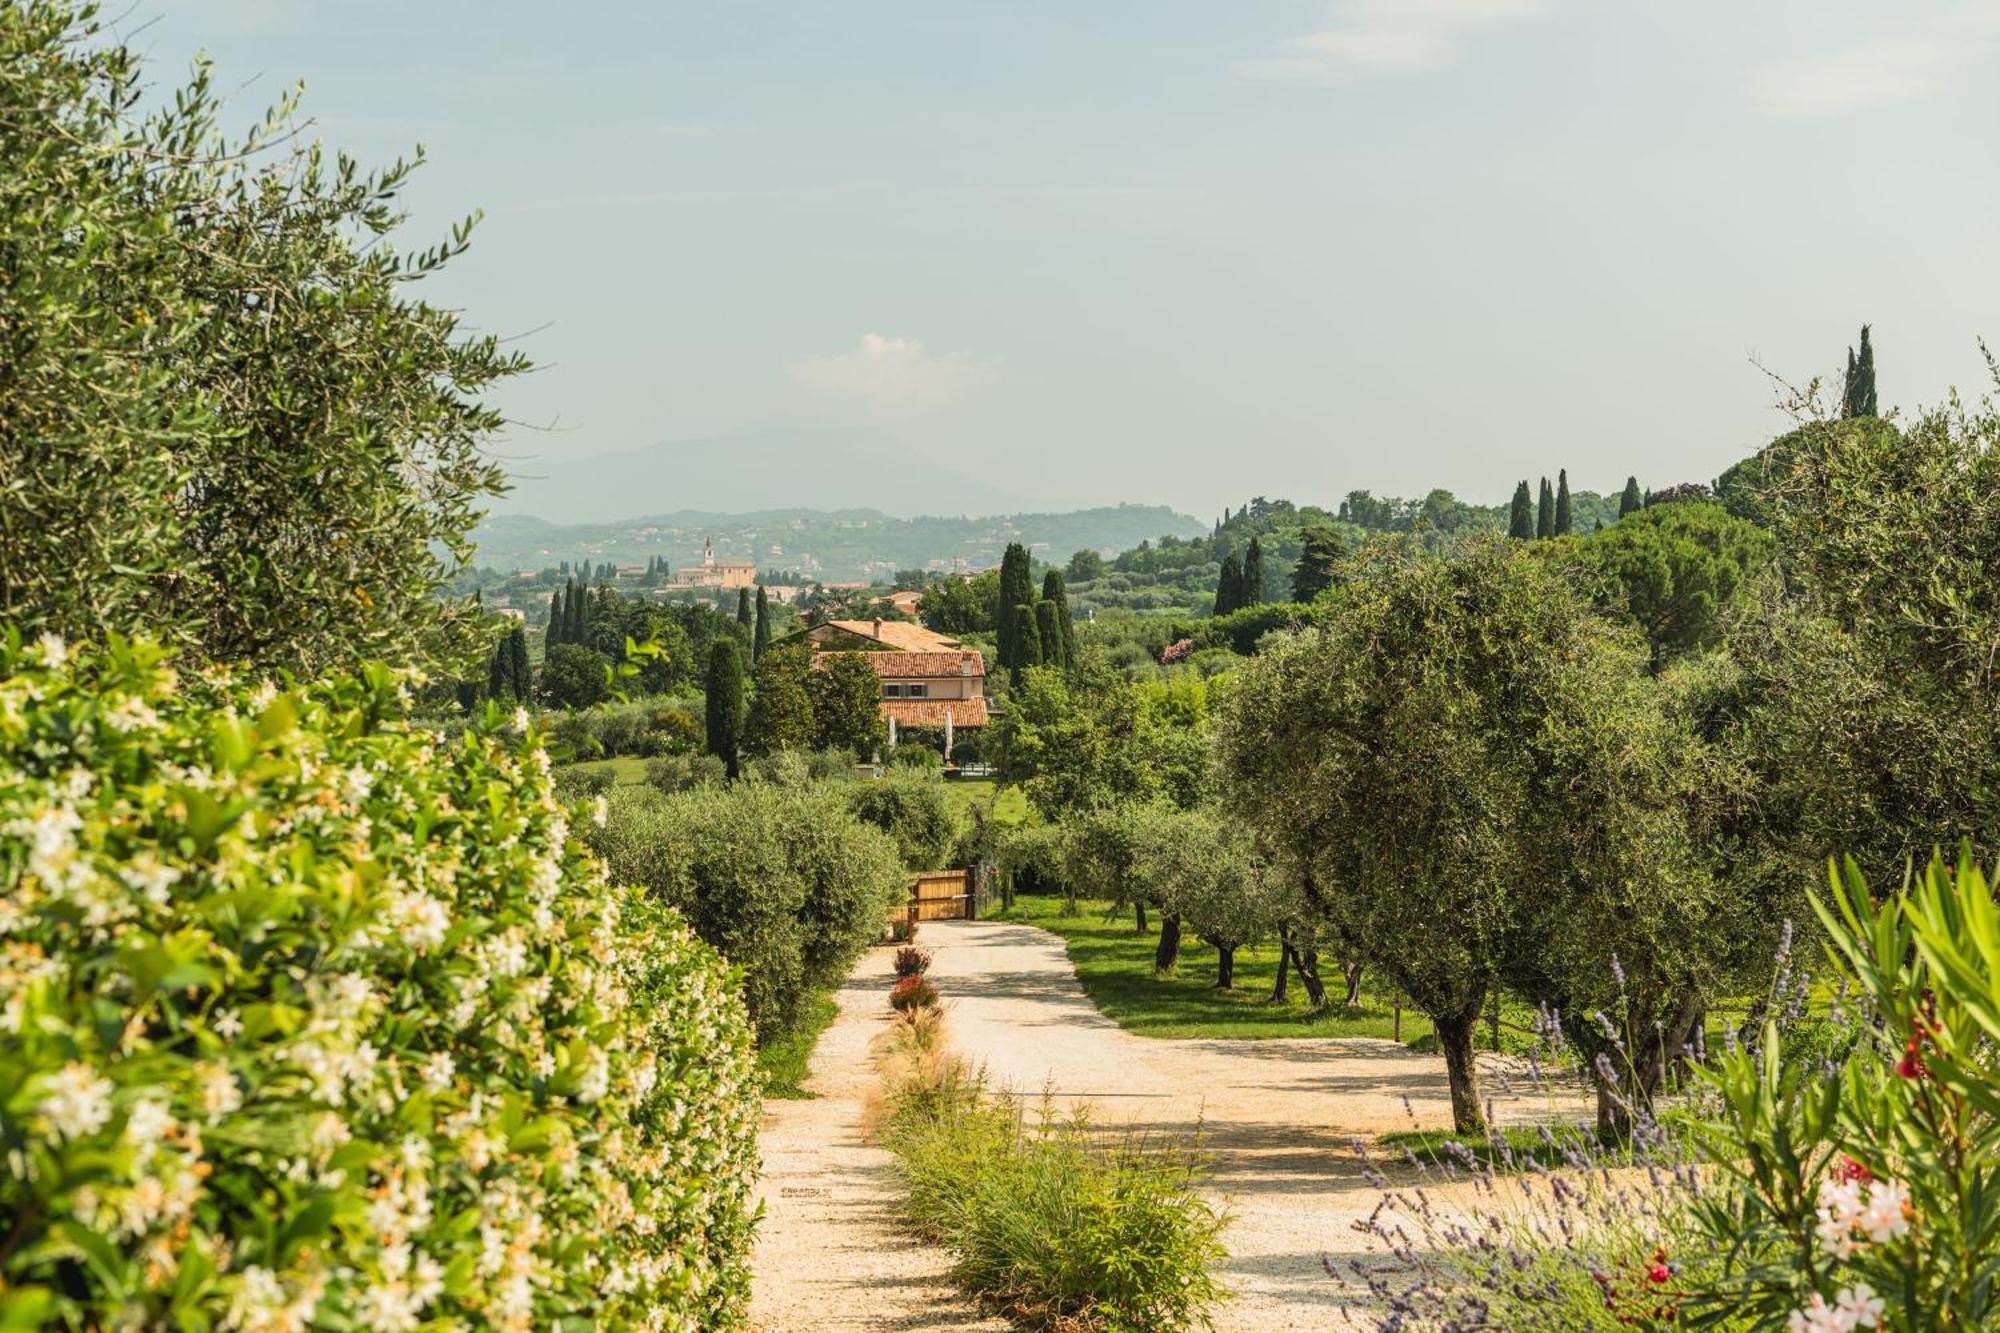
1278 1117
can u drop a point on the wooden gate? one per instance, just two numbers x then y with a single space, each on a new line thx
942 895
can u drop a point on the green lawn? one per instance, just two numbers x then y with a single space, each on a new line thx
628 770
785 1062
1115 965
1009 805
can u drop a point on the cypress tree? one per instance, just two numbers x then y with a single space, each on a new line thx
1521 519
1562 502
1016 589
555 619
1857 397
496 671
760 638
1048 633
520 675
579 615
1631 501
1057 595
725 703
1229 585
1027 641
1545 512
1253 576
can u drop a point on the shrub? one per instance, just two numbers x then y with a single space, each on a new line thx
1055 1226
911 962
913 992
683 772
911 808
902 931
920 757
783 880
309 1018
577 781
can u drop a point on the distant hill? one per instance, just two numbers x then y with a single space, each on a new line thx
780 467
834 546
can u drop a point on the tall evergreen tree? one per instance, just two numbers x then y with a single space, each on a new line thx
1857 397
1057 595
1318 559
1632 500
520 675
557 621
1016 589
760 638
579 615
1521 519
725 703
497 680
1253 576
1229 585
746 618
1545 511
1027 639
1048 633
1562 503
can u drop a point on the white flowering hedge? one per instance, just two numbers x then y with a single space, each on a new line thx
308 1018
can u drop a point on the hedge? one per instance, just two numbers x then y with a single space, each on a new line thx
782 878
312 1018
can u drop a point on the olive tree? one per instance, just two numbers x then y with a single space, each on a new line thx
1433 762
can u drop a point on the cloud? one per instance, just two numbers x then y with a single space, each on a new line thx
892 374
1386 37
1926 61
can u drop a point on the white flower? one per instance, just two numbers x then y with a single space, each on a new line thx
146 1124
219 1093
261 697
521 720
227 1024
419 920
600 811
437 1071
77 1103
131 715
1884 1218
53 650
1817 1317
596 1080
148 875
356 785
261 1304
1861 1306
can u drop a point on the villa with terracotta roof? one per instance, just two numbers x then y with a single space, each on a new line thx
928 679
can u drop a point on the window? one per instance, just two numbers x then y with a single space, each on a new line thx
916 691
892 691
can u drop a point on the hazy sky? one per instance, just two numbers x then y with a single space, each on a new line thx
1173 251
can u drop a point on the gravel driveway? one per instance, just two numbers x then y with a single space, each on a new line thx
1278 1117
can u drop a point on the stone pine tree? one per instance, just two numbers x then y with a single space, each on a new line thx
1057 595
1545 511
1027 640
1632 500
1229 585
1521 518
1253 575
760 637
1016 589
1857 397
725 703
1562 503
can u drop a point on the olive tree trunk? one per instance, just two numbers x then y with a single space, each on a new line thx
1225 967
1455 1039
1168 951
1279 991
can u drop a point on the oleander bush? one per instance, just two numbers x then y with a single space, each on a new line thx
310 1018
781 878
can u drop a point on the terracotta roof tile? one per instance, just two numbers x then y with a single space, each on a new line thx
899 634
930 712
917 666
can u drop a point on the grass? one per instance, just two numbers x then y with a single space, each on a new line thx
1009 805
1115 965
1517 1142
786 1061
628 770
